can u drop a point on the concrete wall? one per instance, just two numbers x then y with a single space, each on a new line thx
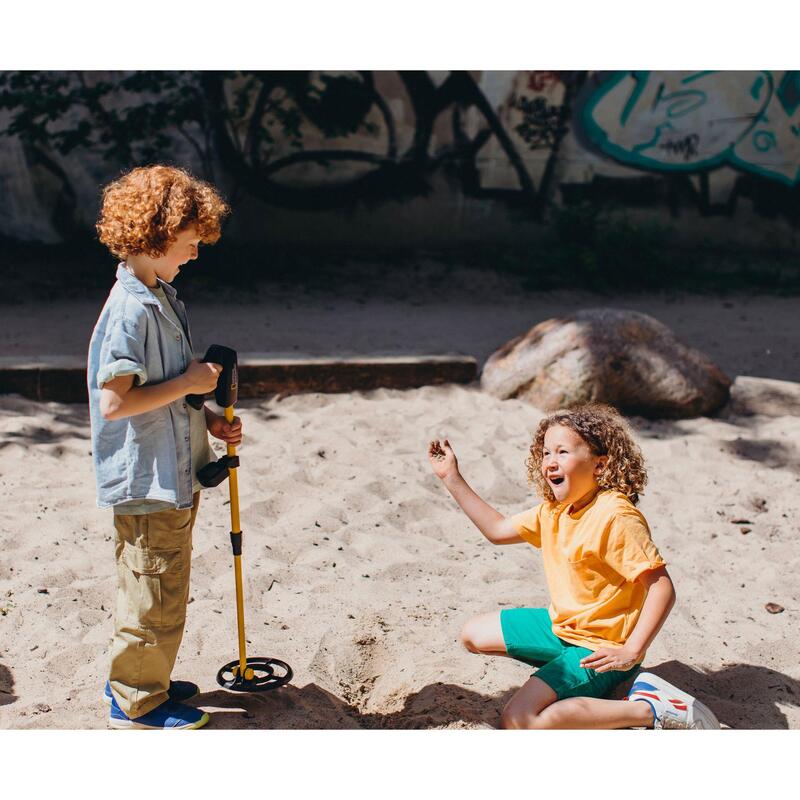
438 158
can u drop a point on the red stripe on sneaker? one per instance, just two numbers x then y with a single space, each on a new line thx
645 694
679 704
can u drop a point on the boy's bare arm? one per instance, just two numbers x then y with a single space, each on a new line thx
657 605
490 522
119 398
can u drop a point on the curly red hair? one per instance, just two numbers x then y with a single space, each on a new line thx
606 433
145 209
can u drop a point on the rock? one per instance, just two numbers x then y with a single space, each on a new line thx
774 608
765 396
624 358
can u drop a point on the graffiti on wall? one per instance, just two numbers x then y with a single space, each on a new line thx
695 121
403 128
311 141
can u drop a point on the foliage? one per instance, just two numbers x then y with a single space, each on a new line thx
135 118
260 113
126 121
597 251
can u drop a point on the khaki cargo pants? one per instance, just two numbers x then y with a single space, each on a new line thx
153 553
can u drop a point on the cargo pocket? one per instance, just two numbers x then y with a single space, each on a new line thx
154 585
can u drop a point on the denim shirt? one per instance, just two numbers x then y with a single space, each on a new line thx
146 456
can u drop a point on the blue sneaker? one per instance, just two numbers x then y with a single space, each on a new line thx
178 691
169 716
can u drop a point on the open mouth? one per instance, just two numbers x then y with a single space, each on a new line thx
556 480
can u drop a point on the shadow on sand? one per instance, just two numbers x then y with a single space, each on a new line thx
73 419
743 696
7 695
437 705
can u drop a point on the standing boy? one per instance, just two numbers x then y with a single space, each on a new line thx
147 441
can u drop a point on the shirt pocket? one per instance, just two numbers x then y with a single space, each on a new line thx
591 580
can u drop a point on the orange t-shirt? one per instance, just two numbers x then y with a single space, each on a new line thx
592 559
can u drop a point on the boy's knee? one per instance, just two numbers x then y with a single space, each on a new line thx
466 640
468 637
509 720
516 719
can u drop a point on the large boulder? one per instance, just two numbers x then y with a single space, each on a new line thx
624 358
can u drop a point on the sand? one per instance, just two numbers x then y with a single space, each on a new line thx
359 569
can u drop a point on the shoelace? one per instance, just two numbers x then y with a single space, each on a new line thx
668 722
665 721
676 725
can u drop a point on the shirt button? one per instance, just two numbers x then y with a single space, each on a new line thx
185 438
178 336
184 405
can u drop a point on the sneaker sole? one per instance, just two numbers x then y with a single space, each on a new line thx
703 716
132 724
107 698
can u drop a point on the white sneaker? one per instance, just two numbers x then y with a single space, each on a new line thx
672 708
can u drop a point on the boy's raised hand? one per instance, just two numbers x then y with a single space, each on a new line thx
442 458
201 376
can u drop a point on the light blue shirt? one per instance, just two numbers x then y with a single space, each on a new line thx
146 456
198 430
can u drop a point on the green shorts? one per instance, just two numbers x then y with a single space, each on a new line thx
529 637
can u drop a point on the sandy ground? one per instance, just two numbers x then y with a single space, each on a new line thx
359 568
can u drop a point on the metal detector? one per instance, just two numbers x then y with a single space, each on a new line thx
253 674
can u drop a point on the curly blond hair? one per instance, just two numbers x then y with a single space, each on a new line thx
145 209
606 433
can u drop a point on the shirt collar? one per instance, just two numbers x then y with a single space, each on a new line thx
583 502
137 288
